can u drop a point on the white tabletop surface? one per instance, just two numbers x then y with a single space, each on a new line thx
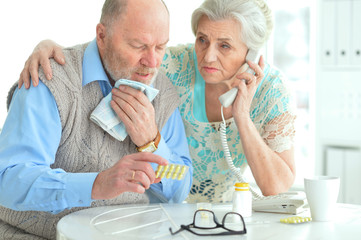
153 222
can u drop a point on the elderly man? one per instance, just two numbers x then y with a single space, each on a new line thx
55 160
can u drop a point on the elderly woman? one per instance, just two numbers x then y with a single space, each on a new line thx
260 122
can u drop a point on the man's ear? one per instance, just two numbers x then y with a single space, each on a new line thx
101 33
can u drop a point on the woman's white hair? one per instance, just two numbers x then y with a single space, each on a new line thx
254 16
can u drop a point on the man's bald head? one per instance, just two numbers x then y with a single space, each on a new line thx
114 9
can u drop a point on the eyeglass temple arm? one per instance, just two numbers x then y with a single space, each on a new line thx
183 227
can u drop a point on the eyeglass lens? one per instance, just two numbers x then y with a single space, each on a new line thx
204 219
233 222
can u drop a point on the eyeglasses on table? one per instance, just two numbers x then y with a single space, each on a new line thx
204 220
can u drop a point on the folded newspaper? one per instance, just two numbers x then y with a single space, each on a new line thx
104 116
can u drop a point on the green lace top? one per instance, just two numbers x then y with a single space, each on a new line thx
271 112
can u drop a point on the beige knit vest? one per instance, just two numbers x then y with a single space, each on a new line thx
84 147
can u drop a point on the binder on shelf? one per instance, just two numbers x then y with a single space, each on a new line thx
343 33
356 34
352 168
335 167
328 33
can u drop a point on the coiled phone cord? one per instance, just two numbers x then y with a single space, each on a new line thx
236 171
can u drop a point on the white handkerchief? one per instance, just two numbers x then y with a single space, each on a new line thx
105 116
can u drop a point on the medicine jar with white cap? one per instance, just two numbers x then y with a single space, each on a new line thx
242 199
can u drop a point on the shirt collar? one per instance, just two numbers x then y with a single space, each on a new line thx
93 69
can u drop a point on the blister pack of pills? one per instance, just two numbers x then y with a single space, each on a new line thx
173 171
296 219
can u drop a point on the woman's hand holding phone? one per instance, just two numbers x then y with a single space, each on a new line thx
247 84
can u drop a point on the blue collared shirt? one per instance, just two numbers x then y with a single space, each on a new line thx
30 139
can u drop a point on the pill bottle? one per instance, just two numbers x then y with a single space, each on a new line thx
242 200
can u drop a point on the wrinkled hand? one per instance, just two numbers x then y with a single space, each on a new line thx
136 112
40 56
132 173
247 85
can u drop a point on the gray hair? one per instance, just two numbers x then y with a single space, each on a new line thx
113 9
254 16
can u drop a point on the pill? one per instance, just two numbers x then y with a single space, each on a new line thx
159 170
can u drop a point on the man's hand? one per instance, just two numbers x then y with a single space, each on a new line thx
42 52
136 112
132 173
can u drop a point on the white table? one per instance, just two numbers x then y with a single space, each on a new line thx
153 222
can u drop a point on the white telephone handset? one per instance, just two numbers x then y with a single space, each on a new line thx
227 98
290 202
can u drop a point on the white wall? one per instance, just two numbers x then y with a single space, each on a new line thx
24 23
